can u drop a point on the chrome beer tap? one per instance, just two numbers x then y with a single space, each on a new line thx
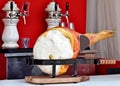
25 11
55 15
53 19
13 13
11 9
66 14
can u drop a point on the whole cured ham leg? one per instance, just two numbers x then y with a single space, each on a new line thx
63 43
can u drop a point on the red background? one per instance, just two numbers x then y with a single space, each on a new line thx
36 21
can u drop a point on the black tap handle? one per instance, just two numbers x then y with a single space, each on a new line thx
25 6
67 6
11 6
55 6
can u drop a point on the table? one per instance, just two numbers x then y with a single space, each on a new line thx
98 80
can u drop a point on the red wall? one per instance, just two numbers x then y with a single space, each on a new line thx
36 21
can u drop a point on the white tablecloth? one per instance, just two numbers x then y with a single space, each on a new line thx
101 80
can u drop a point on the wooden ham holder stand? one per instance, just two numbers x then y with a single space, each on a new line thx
84 42
56 80
62 78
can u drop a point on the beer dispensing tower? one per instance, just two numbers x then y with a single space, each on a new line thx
10 34
54 14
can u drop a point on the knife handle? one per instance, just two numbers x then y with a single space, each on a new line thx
67 6
25 6
11 6
55 6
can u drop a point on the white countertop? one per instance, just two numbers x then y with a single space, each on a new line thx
101 80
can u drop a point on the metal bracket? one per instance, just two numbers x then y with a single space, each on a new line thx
55 62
